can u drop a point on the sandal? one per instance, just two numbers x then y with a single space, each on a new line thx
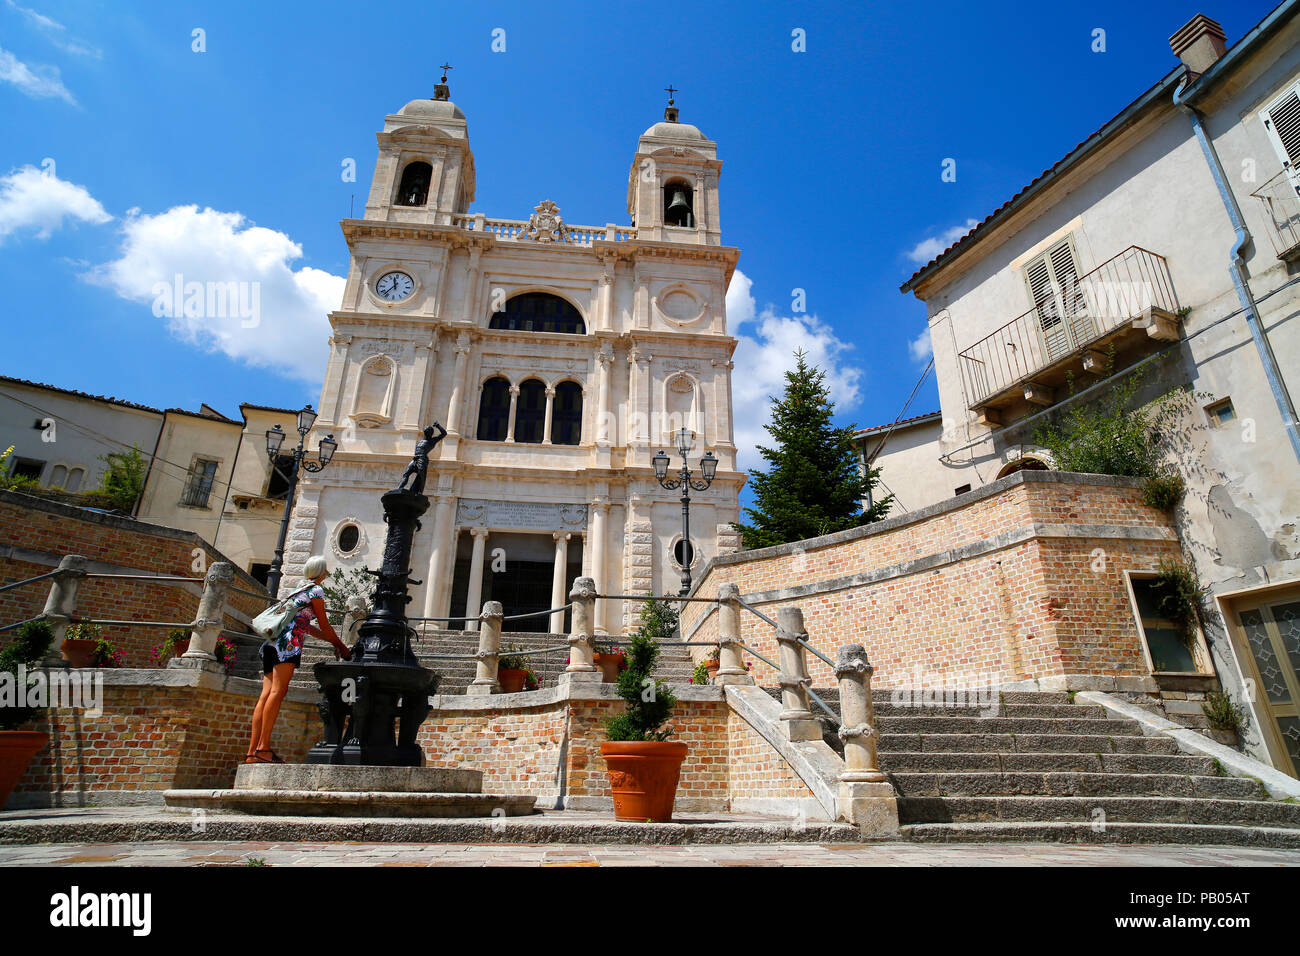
275 757
254 758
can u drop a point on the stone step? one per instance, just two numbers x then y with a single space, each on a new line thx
1008 725
1011 762
1099 810
1065 784
1112 832
1018 711
1027 743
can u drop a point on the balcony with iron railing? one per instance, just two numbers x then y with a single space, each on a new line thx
1127 299
1281 201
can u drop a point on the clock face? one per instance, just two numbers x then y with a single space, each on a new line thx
394 286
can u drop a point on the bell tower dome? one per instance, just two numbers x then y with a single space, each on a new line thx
425 170
672 188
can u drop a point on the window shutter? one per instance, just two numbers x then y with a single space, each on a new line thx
1282 121
1052 278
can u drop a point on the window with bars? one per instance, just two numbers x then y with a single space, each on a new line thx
539 312
198 487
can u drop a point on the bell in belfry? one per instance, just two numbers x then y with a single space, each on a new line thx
679 210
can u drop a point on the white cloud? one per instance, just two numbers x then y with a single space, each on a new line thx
763 356
931 246
31 198
56 32
920 348
40 82
272 316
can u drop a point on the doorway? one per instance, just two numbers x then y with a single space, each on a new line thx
1266 627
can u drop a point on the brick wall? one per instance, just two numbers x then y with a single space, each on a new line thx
35 534
1021 580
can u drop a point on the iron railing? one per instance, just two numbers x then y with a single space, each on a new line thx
1281 201
1067 321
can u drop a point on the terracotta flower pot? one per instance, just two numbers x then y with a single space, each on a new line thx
609 665
78 651
712 668
180 647
511 680
17 748
643 778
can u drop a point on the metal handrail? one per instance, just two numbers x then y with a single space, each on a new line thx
40 577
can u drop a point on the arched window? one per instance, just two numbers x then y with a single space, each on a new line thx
566 415
1026 463
59 477
494 410
414 190
530 412
539 312
679 206
75 476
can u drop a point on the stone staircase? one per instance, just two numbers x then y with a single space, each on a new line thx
1037 767
455 675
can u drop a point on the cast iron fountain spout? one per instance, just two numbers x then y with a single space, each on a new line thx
383 682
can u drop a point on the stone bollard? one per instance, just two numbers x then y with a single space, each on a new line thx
61 605
731 665
866 798
582 661
207 621
799 721
489 650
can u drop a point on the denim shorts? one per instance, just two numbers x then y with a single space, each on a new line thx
271 657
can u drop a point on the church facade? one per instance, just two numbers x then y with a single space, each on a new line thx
559 358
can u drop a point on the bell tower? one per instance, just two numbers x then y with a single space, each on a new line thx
425 170
672 188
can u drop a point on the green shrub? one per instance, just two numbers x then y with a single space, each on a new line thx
1223 713
28 649
1164 491
701 673
1180 596
649 701
511 658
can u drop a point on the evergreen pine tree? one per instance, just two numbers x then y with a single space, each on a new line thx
812 485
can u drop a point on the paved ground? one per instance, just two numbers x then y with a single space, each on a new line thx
189 853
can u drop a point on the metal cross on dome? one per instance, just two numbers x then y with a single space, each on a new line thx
670 90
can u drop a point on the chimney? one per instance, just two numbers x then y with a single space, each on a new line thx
1199 43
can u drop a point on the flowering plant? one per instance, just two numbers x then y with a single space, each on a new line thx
105 655
531 681
226 653
177 635
701 674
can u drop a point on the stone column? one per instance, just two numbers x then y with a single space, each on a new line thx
606 294
474 596
514 404
550 407
557 579
599 576
866 798
207 620
61 604
731 665
489 650
604 360
799 721
582 661
439 560
458 384
449 571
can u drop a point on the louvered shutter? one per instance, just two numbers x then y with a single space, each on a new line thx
1066 272
1051 278
1282 120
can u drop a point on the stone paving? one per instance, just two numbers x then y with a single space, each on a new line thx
189 853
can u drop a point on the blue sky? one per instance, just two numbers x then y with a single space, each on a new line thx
229 161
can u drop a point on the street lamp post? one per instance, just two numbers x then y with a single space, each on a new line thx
708 469
274 441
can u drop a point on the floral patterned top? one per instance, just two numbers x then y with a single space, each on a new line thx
289 644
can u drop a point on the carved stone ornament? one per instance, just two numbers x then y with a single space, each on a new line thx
545 225
852 659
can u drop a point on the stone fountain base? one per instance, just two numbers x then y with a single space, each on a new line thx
347 791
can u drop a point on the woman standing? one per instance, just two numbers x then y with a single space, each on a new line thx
281 658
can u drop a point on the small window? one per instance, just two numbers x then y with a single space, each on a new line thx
259 572
278 485
1220 413
28 468
962 490
1169 650
349 535
198 487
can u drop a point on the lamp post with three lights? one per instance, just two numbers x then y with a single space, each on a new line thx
274 441
708 469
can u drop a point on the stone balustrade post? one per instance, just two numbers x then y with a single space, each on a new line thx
582 661
489 650
356 613
731 665
61 605
799 721
866 798
207 620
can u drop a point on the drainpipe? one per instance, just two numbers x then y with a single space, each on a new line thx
1240 281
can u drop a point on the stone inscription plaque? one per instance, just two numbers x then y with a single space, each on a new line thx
521 515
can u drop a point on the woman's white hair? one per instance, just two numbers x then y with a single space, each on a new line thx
314 568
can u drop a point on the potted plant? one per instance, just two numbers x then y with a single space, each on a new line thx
225 653
610 660
105 654
701 673
642 763
176 644
713 661
79 643
531 680
18 747
512 669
